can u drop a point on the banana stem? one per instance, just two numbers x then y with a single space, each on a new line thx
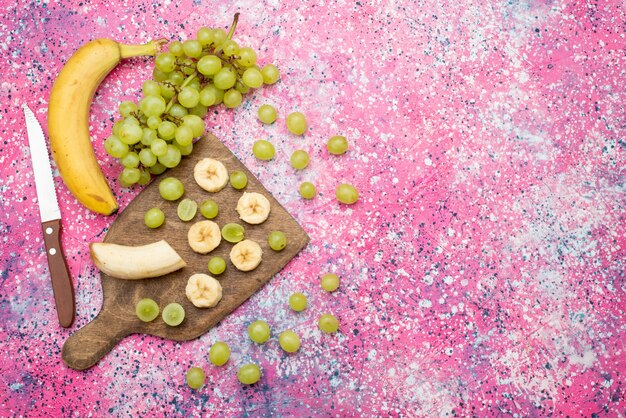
151 48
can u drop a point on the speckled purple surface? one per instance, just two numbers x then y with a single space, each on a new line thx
482 269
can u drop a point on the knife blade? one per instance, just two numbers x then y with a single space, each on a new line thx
50 212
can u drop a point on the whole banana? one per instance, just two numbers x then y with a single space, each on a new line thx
68 118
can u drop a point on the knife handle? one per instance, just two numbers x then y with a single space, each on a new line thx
62 286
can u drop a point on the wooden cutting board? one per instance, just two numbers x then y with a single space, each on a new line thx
117 318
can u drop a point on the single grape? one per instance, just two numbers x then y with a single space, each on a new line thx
196 123
328 323
209 209
167 91
130 120
176 48
219 353
330 282
247 57
263 150
241 87
157 169
296 123
183 135
127 108
238 179
154 218
158 147
233 232
167 130
153 122
184 150
130 134
232 98
176 78
147 157
173 314
219 36
172 157
178 111
207 96
259 331
277 240
346 193
195 377
249 374
165 61
267 114
159 75
252 78
148 136
298 302
217 265
270 74
144 178
192 48
230 48
147 310
199 110
204 36
337 145
209 65
171 188
224 79
151 88
130 175
307 190
115 147
289 341
187 209
189 97
299 159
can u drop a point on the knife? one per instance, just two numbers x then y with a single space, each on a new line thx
62 286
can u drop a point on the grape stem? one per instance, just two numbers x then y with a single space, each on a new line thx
174 98
233 26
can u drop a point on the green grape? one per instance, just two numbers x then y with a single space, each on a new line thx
224 79
176 48
195 377
148 136
157 169
167 91
233 232
219 36
299 159
328 323
177 110
192 48
337 145
238 179
296 123
165 61
247 57
217 265
270 74
209 65
154 218
153 122
194 83
152 105
308 190
207 96
172 157
129 133
187 67
116 127
267 114
115 147
232 98
241 87
198 110
219 353
158 147
151 88
147 157
218 93
167 130
183 135
189 97
130 175
121 181
187 209
130 160
263 150
177 78
127 108
184 150
173 314
196 123
147 310
144 178
159 75
346 193
209 209
171 188
277 240
249 374
204 36
131 120
230 48
259 331
330 282
252 78
289 341
297 302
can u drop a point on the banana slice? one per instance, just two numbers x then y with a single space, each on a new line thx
204 236
203 291
246 255
210 174
253 208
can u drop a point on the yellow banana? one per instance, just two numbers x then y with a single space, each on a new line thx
68 118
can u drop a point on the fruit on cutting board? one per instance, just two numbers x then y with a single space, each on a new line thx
253 208
203 290
68 118
233 232
173 314
135 262
204 236
246 255
210 174
147 309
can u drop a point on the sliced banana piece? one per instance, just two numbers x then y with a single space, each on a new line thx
210 174
204 236
246 255
253 208
203 290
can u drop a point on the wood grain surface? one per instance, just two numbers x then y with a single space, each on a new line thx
117 318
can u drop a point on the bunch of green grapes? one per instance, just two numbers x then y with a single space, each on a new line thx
191 76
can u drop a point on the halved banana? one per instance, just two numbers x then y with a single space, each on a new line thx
246 255
204 236
253 208
210 174
203 290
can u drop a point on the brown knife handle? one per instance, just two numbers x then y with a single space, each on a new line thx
62 286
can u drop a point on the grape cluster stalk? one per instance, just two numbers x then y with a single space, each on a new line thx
154 134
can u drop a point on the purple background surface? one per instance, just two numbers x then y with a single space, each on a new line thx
482 269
